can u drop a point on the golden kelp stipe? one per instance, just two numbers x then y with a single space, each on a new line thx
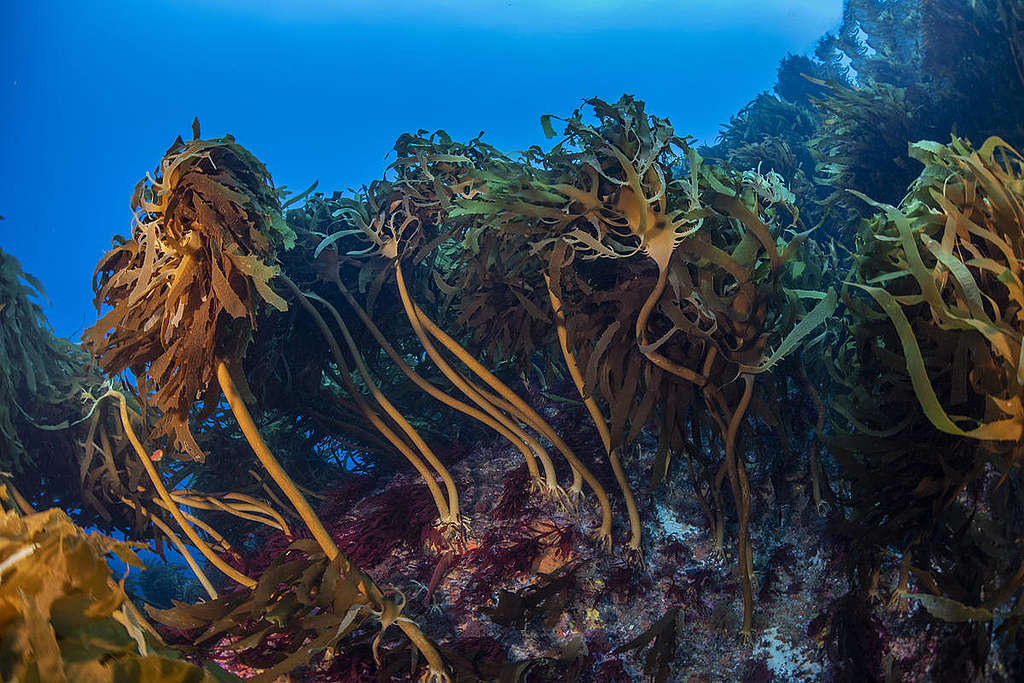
657 275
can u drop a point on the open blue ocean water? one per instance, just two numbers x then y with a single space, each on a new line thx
94 92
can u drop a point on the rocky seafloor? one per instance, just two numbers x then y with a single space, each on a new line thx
529 595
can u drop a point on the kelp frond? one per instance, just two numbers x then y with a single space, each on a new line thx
187 286
66 618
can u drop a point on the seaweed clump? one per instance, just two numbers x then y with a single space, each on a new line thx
42 378
65 618
929 433
185 289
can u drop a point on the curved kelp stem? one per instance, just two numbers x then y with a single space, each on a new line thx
813 462
741 492
474 393
396 415
19 500
253 513
221 543
154 477
650 350
269 462
316 527
599 421
530 417
535 420
450 401
182 548
515 417
366 410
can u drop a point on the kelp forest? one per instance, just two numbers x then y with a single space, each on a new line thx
622 407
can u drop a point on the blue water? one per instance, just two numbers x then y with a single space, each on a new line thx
94 92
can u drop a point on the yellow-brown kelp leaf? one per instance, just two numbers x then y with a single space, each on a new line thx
302 598
187 287
931 365
953 249
63 616
661 636
951 610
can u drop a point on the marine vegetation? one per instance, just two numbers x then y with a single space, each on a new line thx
894 72
42 377
587 411
64 616
650 279
931 420
184 293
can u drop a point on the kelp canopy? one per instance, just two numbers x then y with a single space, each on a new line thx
654 280
186 289
651 280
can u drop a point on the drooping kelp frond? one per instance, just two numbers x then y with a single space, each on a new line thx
605 219
952 250
186 287
932 421
65 618
65 448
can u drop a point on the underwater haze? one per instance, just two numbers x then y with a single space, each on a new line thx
94 92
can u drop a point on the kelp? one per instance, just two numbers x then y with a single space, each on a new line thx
657 275
186 292
546 598
862 142
64 618
45 382
672 294
661 638
771 133
880 40
663 283
187 286
308 605
990 31
894 72
907 80
951 251
929 430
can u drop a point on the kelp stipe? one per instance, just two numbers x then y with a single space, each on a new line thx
186 292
